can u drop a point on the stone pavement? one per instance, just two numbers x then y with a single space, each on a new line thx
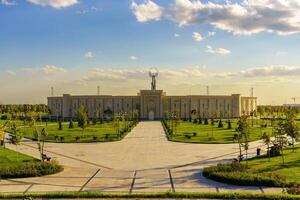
144 161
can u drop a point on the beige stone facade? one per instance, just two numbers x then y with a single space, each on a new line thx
152 104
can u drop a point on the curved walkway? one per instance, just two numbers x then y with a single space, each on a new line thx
143 161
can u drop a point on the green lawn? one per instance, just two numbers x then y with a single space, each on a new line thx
17 165
214 135
93 133
260 171
291 169
24 123
9 157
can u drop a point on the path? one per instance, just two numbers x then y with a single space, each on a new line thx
143 161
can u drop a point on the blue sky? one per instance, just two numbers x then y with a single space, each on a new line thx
75 45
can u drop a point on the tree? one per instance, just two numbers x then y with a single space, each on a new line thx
229 126
220 124
238 138
41 138
15 136
267 141
116 119
71 124
243 129
82 118
290 127
280 138
59 125
2 136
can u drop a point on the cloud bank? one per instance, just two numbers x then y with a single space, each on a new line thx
246 18
57 4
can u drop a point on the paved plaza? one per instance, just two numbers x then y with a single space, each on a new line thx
144 161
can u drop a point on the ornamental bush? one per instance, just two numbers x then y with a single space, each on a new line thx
237 174
29 169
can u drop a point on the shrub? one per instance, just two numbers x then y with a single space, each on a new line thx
237 174
71 124
229 125
200 120
30 169
206 121
295 189
59 125
220 125
187 135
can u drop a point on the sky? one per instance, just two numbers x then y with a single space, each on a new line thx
76 45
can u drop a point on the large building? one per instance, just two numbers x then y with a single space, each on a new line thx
153 104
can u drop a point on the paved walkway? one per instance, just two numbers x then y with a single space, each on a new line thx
143 161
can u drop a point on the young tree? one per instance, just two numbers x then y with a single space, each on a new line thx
15 136
243 129
238 138
229 126
267 141
291 128
280 138
59 125
82 118
2 136
41 138
71 124
220 124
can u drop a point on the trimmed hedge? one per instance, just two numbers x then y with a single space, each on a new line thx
181 195
29 169
237 174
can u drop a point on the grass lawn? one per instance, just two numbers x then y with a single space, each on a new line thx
214 135
14 165
291 169
9 157
260 172
93 133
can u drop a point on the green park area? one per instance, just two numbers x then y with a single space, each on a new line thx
99 132
213 132
281 170
16 165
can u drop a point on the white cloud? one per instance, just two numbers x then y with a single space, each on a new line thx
222 51
88 10
8 2
48 69
146 11
11 73
176 35
197 37
211 33
89 55
57 4
268 71
140 74
133 57
239 17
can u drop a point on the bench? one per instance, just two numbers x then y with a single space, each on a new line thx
45 157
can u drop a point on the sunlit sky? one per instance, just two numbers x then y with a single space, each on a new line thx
76 45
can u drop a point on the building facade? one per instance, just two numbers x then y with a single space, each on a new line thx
153 104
